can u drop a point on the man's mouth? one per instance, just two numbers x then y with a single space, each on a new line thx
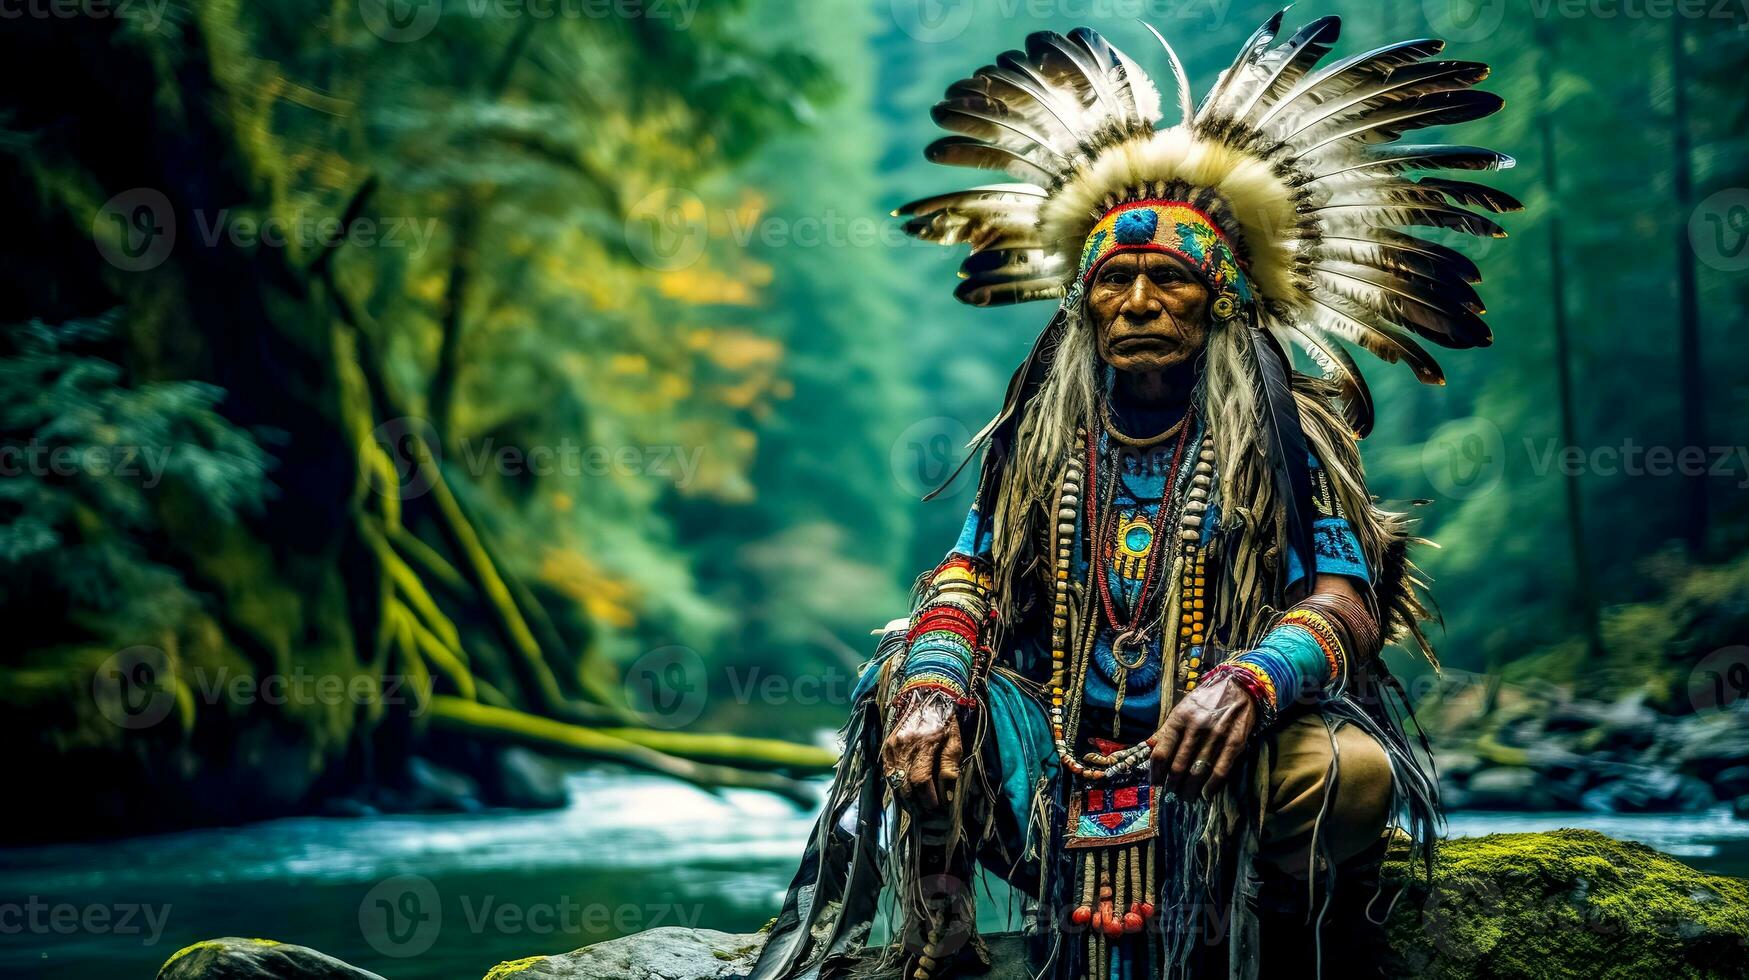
1126 344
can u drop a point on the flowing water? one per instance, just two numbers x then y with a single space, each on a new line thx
446 897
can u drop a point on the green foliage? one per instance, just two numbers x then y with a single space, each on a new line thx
87 455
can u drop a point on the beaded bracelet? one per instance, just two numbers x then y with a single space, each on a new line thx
1253 681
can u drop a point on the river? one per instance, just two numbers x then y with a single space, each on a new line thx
446 897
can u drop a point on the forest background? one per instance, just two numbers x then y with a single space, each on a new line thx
509 373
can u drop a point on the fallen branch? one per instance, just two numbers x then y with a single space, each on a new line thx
532 731
734 750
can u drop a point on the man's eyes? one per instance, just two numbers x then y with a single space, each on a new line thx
1157 278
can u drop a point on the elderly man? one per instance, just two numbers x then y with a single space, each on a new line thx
1144 686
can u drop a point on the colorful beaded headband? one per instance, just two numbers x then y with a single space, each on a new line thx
1177 229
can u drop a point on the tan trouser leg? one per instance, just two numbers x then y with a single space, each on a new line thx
1298 783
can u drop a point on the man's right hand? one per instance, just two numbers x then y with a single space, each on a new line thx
924 746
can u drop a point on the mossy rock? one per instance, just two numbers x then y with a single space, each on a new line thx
1568 903
233 958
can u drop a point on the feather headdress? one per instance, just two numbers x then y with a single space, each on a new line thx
1297 167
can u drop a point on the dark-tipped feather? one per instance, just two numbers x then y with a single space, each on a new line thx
1330 81
1474 195
1430 309
963 151
1394 159
1283 66
1411 81
1334 313
1285 444
1337 364
1382 126
1424 215
1253 48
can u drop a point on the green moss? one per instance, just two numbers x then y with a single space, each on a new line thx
209 944
512 967
1569 903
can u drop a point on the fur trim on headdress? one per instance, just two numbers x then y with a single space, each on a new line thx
1251 204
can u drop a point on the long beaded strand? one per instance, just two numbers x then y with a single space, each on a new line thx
1069 500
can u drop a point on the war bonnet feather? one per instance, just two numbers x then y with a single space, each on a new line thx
1297 169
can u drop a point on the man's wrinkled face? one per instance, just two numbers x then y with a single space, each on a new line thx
1149 310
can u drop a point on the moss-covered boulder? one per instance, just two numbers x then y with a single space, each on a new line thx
233 958
1569 903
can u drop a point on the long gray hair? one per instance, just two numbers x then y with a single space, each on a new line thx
1228 395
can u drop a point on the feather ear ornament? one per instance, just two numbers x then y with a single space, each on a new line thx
1296 168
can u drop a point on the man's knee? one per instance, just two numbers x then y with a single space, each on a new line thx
1337 810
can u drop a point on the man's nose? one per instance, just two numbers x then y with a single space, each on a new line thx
1141 301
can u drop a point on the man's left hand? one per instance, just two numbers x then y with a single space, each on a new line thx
1212 726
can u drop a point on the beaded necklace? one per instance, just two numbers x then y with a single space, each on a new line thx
1127 628
1069 500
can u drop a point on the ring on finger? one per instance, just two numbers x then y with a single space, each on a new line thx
1199 767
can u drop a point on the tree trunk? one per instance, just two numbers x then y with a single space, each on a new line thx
1584 587
1691 381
